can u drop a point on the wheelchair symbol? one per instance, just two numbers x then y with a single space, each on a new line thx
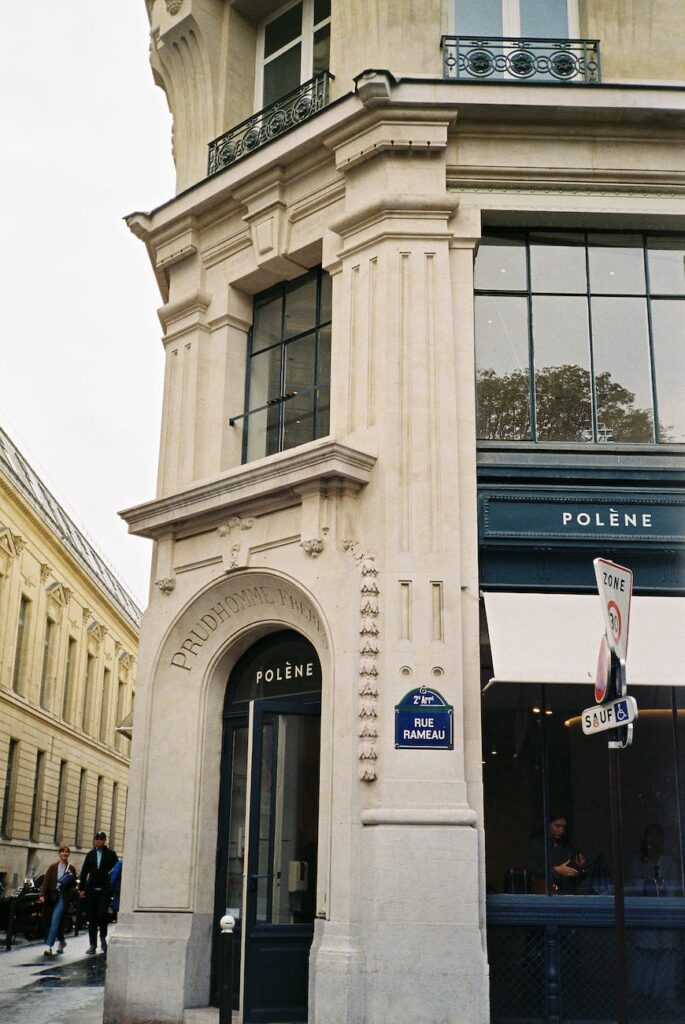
622 712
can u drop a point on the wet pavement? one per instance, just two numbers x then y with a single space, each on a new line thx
63 989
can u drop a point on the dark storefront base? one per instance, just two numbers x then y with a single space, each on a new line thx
552 960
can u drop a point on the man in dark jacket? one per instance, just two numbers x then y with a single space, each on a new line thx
96 889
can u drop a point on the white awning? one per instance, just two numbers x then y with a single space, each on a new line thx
554 638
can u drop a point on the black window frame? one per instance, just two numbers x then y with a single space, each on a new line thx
523 235
318 326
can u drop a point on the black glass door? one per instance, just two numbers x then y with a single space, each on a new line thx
281 856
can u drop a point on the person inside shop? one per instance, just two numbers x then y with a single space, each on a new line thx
55 893
652 872
656 953
96 889
567 864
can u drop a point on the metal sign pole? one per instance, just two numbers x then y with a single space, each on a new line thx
619 903
615 586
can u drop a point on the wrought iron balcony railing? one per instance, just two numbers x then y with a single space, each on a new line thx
521 60
279 117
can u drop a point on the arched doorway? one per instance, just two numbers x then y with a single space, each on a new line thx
268 825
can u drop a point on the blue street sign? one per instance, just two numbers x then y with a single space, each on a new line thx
424 720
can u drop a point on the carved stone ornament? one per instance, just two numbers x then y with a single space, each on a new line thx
166 584
173 6
313 547
234 523
45 571
368 667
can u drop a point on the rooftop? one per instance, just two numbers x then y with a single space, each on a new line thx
22 475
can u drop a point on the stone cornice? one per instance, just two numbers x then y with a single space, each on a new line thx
567 179
74 566
628 106
279 477
46 720
634 112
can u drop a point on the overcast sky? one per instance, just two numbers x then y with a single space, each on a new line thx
84 140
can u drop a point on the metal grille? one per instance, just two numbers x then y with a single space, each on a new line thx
267 124
525 966
521 60
517 975
587 975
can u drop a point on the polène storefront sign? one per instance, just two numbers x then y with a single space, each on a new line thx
283 673
553 515
424 721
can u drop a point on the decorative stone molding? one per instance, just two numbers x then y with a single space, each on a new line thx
268 219
173 6
234 523
19 543
10 544
374 86
166 584
45 571
235 560
57 593
86 614
368 666
313 547
95 633
68 593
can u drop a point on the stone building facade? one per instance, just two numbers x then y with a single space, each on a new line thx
69 643
422 308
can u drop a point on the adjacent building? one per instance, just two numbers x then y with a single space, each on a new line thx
423 297
68 648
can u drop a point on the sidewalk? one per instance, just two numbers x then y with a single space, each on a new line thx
64 989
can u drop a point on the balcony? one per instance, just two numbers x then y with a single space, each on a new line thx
521 60
267 124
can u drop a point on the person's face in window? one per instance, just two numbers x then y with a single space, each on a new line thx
557 829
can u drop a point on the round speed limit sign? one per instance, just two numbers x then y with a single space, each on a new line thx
615 621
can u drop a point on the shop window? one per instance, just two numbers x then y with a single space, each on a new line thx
98 802
69 674
20 650
293 46
9 790
88 693
114 820
47 664
289 367
37 800
580 337
81 808
549 19
104 705
547 794
61 802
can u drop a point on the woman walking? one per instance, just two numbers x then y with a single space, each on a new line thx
54 895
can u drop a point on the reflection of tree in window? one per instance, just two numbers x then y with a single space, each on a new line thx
563 402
